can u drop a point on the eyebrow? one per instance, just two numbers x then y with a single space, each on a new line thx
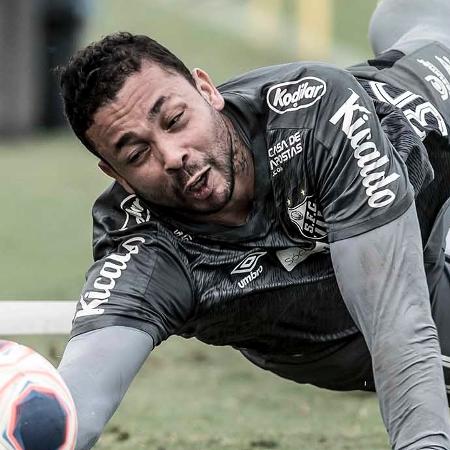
129 137
156 108
124 140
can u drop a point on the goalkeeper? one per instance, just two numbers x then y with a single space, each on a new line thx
297 213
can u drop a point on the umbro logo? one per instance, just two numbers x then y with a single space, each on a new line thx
249 263
247 266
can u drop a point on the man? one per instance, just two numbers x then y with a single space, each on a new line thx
275 214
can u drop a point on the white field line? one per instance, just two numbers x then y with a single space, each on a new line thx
36 317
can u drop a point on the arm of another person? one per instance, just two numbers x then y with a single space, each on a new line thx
98 367
382 280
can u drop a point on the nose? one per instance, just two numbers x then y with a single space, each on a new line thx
173 157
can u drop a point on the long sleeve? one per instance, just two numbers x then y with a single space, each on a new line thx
381 277
98 368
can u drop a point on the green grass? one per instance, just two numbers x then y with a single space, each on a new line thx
351 23
188 396
195 39
50 183
194 36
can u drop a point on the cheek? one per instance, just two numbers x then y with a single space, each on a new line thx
154 184
199 136
205 127
151 183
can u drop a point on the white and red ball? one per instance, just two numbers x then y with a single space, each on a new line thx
36 409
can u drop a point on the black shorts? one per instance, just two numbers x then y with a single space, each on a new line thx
342 366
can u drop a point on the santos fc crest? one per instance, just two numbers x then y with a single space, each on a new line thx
306 217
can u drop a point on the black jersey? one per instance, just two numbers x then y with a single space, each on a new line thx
335 156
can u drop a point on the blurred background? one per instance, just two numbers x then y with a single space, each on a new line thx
197 398
49 181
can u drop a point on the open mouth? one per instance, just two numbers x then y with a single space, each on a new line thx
198 181
200 185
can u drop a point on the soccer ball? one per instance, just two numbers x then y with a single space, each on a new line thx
36 409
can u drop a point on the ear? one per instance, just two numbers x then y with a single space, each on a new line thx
207 89
108 170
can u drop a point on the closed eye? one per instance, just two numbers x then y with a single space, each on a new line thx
137 155
174 120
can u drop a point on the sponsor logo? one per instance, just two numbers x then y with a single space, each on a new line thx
248 266
417 117
438 80
134 210
283 151
366 153
110 272
295 95
306 217
291 257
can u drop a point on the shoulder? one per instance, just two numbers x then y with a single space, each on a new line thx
119 216
116 210
300 95
287 87
264 77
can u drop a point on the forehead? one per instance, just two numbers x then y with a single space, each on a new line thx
152 75
139 92
152 81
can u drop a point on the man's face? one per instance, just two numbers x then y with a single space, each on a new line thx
165 140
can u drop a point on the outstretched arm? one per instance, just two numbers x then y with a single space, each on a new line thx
382 280
98 368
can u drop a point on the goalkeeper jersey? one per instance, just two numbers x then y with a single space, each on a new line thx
336 153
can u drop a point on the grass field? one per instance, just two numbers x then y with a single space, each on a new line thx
50 183
187 396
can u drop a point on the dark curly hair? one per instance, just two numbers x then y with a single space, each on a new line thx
94 75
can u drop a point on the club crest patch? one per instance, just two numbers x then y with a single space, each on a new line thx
307 218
